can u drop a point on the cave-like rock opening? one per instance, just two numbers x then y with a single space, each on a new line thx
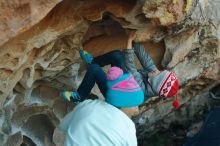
38 128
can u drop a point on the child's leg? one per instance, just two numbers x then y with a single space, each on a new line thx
144 58
115 58
94 74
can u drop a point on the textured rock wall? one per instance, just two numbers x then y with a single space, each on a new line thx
38 49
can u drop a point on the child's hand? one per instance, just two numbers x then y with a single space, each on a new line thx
131 35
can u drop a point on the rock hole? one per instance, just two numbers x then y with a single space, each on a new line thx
7 55
40 129
104 35
106 26
27 141
19 88
215 92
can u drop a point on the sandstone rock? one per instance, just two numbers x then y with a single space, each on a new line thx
39 56
15 140
3 138
166 12
18 16
178 47
194 129
58 137
41 35
213 71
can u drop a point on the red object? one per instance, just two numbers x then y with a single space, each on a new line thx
174 89
176 104
170 86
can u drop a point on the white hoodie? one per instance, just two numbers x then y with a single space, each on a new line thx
97 123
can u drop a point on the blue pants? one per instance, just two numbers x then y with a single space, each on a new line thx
95 74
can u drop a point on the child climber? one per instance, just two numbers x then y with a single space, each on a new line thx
152 81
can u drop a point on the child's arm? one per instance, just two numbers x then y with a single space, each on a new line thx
129 62
144 58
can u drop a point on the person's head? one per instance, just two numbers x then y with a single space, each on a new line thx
165 84
123 91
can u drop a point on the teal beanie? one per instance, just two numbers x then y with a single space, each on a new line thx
124 91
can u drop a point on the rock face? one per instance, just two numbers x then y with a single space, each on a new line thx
39 52
18 16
